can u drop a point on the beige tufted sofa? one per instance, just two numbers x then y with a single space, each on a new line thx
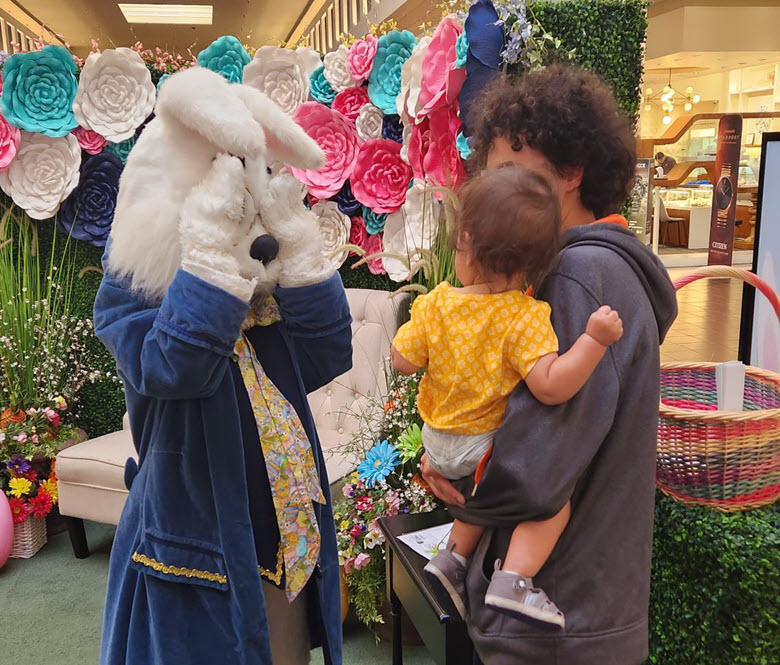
91 474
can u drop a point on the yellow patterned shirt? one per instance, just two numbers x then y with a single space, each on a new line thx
477 348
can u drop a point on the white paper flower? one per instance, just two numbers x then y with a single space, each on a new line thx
280 73
411 231
334 228
369 122
337 69
44 172
411 79
405 145
115 94
310 59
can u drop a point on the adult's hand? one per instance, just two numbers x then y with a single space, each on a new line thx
440 485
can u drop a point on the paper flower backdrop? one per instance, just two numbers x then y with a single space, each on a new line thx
88 212
226 56
321 90
44 172
282 74
90 141
381 177
9 142
340 142
115 94
38 91
384 83
361 57
336 69
369 122
335 228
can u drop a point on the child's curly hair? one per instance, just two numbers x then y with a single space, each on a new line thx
571 117
509 220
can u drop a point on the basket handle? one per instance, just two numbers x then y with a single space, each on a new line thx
735 273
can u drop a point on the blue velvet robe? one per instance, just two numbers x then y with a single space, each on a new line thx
184 584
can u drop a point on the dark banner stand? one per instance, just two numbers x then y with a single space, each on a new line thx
748 292
724 194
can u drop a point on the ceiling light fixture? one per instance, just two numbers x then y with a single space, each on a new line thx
168 14
666 100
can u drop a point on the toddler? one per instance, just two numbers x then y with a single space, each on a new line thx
477 342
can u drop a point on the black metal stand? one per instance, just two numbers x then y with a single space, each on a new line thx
395 612
78 537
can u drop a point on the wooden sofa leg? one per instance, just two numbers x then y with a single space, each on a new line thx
78 537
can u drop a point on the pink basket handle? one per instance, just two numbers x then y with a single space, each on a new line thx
735 273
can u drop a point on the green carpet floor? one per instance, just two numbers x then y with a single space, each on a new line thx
51 609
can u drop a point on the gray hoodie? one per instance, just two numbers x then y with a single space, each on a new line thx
597 449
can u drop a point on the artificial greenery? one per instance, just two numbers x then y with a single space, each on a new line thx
715 593
102 404
607 36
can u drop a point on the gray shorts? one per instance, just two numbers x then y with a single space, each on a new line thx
455 455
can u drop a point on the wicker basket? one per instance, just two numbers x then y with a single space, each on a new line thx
725 460
29 537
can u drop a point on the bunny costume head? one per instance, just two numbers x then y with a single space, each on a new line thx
198 192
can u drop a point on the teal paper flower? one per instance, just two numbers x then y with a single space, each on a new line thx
375 221
320 89
38 91
122 149
226 56
461 49
463 146
379 463
384 84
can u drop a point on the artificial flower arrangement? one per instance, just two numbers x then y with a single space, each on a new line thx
28 442
389 110
388 448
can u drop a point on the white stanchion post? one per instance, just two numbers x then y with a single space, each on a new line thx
656 217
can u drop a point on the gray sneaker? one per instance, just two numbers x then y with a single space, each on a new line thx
447 576
515 595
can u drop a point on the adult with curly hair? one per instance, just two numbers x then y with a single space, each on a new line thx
598 449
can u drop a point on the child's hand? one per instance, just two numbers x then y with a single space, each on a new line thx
605 326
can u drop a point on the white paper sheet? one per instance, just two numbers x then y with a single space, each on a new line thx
427 542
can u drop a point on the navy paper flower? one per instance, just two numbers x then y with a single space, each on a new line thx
393 128
38 91
346 201
88 212
483 60
226 56
122 149
320 89
374 221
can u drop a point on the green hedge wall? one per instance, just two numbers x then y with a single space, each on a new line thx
715 594
609 36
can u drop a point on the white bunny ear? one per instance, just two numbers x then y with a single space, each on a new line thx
285 138
206 104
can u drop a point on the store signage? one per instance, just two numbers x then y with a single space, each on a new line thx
640 217
724 194
759 336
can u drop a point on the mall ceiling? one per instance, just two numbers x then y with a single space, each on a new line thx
79 21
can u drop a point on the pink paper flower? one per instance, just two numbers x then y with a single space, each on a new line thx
433 150
90 141
441 79
9 142
375 245
362 560
358 234
361 57
338 139
350 101
381 177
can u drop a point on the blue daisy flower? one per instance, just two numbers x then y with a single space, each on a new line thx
379 463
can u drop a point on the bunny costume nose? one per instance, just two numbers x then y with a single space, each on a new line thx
264 248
